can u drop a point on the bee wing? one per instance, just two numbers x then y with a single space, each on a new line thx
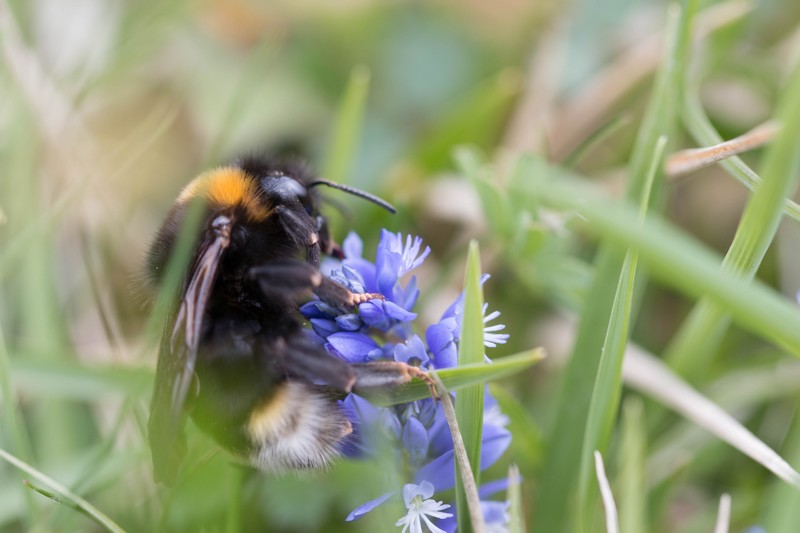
176 362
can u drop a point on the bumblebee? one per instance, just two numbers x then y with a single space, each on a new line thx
234 355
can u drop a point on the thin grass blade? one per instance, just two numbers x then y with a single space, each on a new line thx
456 379
612 522
516 512
469 400
653 378
700 335
723 515
675 258
608 383
63 492
631 458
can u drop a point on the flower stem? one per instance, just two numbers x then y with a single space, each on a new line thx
460 452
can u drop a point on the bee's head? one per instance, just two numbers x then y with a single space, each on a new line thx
270 207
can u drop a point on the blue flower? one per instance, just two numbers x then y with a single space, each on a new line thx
384 330
441 339
420 507
412 352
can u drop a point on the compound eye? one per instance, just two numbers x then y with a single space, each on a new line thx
239 235
283 188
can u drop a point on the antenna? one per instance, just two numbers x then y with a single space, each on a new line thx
355 192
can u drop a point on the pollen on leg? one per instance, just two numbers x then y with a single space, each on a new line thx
359 298
415 372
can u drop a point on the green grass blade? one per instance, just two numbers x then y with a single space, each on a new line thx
13 426
595 139
650 376
563 463
703 132
71 380
738 391
527 446
631 461
698 339
347 127
63 492
781 512
469 400
608 382
456 379
677 259
58 499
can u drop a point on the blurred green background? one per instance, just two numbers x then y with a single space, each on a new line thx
107 108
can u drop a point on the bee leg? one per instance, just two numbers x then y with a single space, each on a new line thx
375 378
295 280
307 360
337 295
304 359
286 280
301 230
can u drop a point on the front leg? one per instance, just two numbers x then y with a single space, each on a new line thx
293 281
286 281
302 230
337 295
304 359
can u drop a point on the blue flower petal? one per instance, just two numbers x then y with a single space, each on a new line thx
360 410
444 352
352 347
424 489
386 273
395 312
312 310
363 416
366 273
415 440
376 354
383 315
449 524
494 513
373 316
354 276
339 277
412 352
349 322
441 471
363 509
407 296
354 259
353 246
491 488
390 423
427 411
324 327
